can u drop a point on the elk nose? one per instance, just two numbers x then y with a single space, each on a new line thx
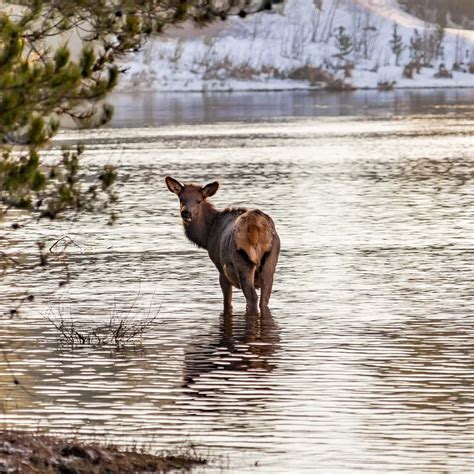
186 215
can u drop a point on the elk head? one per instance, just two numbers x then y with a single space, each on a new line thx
192 198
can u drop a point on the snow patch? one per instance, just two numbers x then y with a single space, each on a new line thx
274 50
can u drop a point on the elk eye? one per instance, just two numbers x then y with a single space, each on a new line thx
199 201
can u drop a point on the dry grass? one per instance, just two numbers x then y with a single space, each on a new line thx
24 452
313 75
386 85
122 329
339 85
225 69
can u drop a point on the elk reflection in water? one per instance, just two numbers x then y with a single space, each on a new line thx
242 343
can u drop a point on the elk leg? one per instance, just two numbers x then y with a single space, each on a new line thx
247 285
267 272
227 292
267 284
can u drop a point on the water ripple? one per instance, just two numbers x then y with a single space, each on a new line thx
366 360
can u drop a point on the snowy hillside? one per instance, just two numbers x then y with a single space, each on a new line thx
304 43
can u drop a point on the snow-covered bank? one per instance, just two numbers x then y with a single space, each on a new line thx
300 46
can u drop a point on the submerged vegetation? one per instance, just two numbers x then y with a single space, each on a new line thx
123 329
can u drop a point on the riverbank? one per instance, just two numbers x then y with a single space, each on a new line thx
22 451
298 45
384 78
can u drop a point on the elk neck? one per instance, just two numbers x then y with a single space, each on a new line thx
198 230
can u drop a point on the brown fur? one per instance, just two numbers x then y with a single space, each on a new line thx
243 244
253 235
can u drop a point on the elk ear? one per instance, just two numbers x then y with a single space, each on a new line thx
210 189
173 185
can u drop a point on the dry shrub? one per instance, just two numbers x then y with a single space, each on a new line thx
225 69
443 73
311 74
409 70
339 85
386 85
272 71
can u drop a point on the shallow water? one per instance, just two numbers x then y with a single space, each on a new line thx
366 361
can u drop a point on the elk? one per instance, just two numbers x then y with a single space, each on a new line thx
242 243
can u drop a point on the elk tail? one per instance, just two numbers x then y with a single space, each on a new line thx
254 235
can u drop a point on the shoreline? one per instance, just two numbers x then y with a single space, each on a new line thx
306 88
23 451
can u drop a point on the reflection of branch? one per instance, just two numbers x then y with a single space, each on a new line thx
68 242
27 297
13 376
6 261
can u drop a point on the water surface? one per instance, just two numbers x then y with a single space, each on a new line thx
366 360
152 109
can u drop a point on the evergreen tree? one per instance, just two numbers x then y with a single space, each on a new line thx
439 34
343 43
396 43
41 81
416 50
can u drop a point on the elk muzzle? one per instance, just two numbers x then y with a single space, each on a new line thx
186 215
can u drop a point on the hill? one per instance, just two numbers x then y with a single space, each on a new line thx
336 44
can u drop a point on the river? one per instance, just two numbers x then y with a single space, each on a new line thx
366 360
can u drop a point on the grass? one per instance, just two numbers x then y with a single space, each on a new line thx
121 329
25 452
